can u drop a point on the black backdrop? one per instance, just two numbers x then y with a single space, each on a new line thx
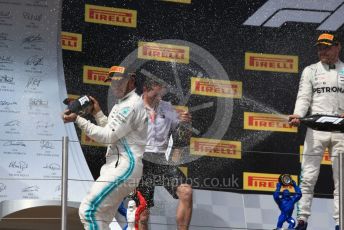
216 26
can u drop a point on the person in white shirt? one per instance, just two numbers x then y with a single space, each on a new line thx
321 91
125 132
157 169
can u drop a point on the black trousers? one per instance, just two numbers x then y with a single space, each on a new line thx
158 172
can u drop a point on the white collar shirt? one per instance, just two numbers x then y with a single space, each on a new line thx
159 126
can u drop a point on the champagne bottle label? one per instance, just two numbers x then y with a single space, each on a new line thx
333 120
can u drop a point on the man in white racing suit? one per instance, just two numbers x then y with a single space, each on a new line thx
125 132
321 91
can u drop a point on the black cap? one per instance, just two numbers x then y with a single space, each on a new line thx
327 39
118 73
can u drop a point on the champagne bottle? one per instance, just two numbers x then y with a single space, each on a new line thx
323 122
82 106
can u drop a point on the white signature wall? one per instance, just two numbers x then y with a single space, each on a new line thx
31 92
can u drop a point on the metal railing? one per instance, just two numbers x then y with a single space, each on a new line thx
64 183
64 187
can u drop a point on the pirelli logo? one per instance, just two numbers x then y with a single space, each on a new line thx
216 88
184 170
85 140
271 62
267 122
181 108
110 16
164 52
264 182
71 41
178 1
95 75
215 148
73 96
326 160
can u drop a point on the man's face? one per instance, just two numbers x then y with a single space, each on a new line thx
119 87
328 54
156 94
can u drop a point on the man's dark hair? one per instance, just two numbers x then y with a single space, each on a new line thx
149 83
133 75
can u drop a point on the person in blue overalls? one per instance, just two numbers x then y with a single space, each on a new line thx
286 203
